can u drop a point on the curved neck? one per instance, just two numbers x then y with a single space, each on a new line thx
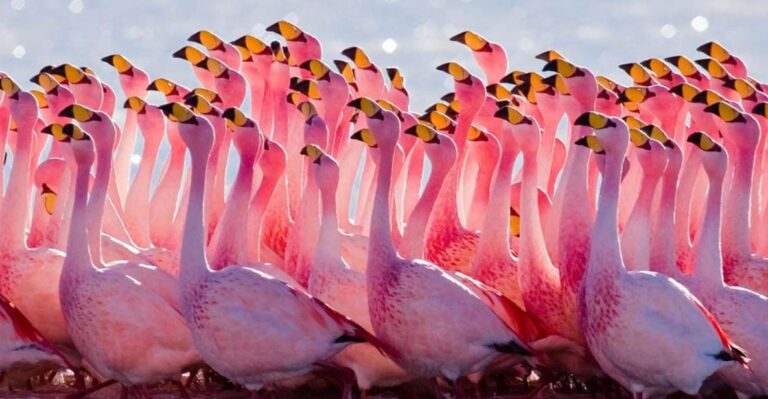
97 200
229 240
381 248
533 250
606 257
663 238
258 206
78 255
709 260
495 235
412 243
683 200
736 229
194 264
16 202
328 241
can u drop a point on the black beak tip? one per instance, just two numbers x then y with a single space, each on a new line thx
274 28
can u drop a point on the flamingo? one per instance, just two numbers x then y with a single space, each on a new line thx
728 304
650 308
165 347
218 48
296 331
489 55
411 299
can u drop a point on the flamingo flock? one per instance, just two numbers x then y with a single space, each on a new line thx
369 244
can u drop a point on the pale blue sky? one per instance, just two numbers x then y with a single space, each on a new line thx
597 34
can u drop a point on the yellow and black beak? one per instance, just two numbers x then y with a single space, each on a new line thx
550 55
472 40
384 104
512 116
687 91
684 65
177 112
57 131
717 51
657 66
165 86
513 77
476 134
633 122
200 105
9 87
74 132
591 142
439 120
707 97
49 199
236 118
595 120
368 107
42 100
396 79
307 87
657 134
80 113
287 30
635 95
457 72
498 91
209 95
346 71
424 132
190 54
123 66
316 67
209 40
215 67
558 83
358 57
313 152
704 142
135 104
761 109
725 112
638 74
70 74
564 68
47 82
639 139
308 110
366 137
248 45
714 68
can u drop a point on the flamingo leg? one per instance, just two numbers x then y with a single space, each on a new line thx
92 389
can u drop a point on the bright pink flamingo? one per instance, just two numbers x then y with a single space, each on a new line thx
334 92
194 56
302 45
171 90
397 94
334 282
728 304
272 165
29 277
257 59
734 64
165 347
741 133
409 300
50 179
689 71
296 330
617 304
229 83
489 55
369 79
662 73
218 48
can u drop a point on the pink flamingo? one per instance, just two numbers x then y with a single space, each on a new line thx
489 55
218 48
728 304
617 304
256 61
411 299
734 64
296 331
165 344
302 45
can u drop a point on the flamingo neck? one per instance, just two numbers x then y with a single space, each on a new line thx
709 259
606 257
194 264
16 202
258 207
533 250
495 237
663 240
736 229
328 247
683 200
78 258
381 249
97 200
412 242
638 225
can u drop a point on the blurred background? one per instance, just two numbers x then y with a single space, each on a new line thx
412 35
